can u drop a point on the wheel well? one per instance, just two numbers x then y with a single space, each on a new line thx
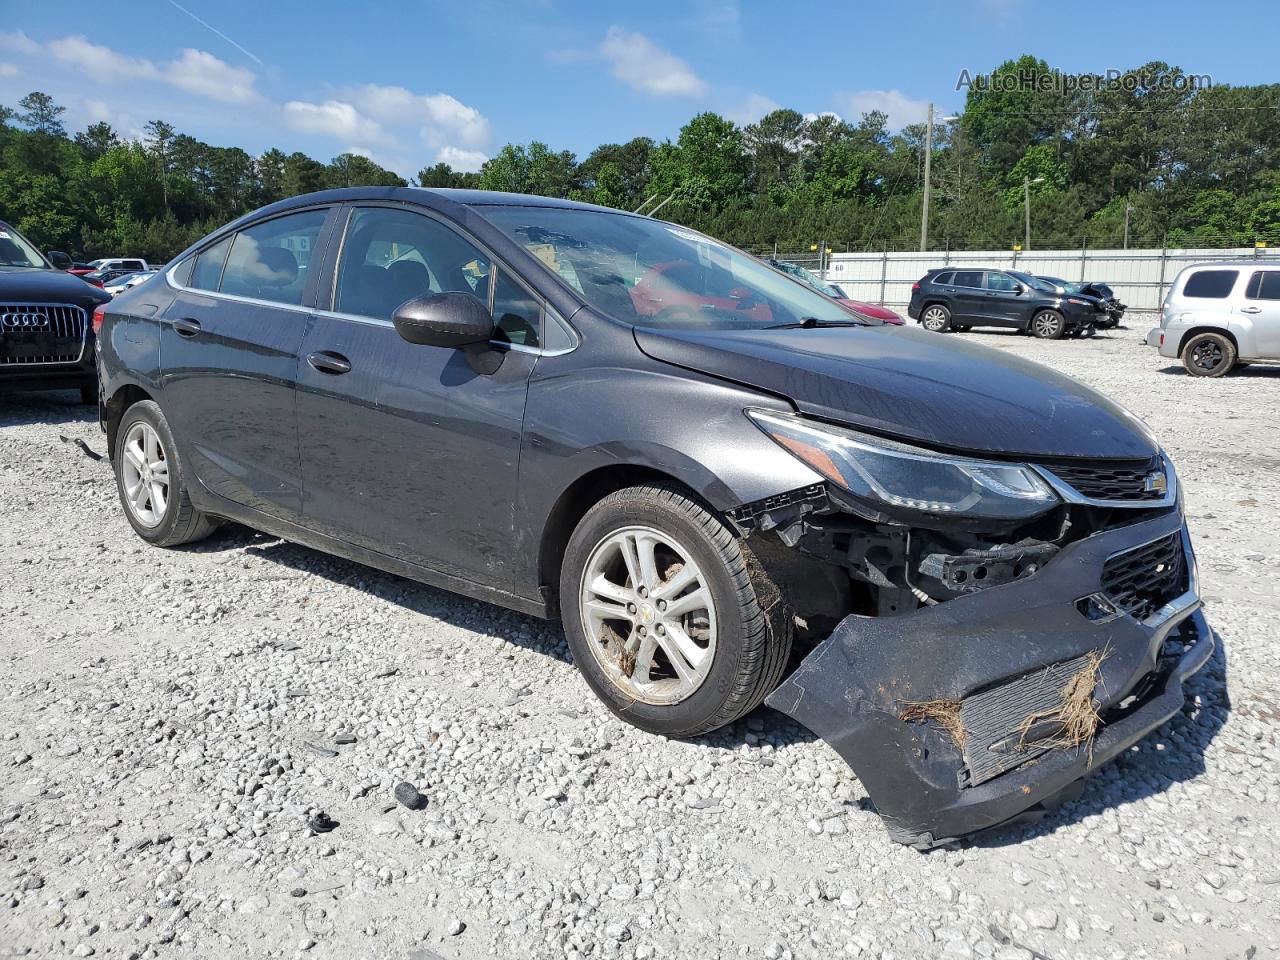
581 495
1196 331
120 401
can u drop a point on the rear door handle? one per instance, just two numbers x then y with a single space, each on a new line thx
1250 309
328 362
186 327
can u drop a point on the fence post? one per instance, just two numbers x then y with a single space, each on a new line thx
946 252
884 270
1084 246
1164 257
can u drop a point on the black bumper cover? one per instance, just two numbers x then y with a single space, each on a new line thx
851 690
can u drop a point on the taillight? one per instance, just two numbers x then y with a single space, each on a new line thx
99 315
916 285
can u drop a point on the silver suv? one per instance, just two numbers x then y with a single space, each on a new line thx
1218 316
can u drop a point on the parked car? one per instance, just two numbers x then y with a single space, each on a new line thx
1099 291
102 278
80 269
120 263
122 283
1217 317
475 390
45 338
836 293
948 298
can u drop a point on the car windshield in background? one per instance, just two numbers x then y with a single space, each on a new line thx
1044 286
656 274
15 251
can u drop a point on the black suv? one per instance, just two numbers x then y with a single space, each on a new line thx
46 338
951 299
698 463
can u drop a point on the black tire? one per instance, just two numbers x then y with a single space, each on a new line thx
180 522
754 621
1208 355
936 318
1048 325
89 394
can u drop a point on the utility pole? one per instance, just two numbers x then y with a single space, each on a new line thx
1026 197
924 204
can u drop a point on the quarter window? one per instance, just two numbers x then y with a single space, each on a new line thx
944 278
269 261
208 269
1210 284
1264 285
515 313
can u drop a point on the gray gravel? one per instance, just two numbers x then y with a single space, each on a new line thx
180 730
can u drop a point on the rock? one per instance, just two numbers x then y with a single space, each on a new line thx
1042 918
455 927
407 795
386 827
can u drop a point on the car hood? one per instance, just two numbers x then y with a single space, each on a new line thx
20 285
940 391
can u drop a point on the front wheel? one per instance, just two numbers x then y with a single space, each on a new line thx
150 480
1209 355
936 317
672 623
1048 325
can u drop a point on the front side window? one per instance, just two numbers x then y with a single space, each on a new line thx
649 273
1210 284
1264 285
268 261
391 255
16 250
1001 282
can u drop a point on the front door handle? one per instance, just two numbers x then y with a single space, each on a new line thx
326 361
1250 309
186 327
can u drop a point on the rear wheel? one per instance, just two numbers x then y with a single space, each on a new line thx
1208 355
150 480
1048 325
672 623
936 317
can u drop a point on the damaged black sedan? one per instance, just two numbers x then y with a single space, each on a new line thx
967 573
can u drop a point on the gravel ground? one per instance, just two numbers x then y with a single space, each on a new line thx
170 720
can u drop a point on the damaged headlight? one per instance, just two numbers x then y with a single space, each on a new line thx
904 477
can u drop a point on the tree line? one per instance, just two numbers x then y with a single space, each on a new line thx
1146 157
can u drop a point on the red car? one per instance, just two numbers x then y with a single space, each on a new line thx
831 290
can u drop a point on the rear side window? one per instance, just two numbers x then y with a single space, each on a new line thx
968 278
268 261
208 269
1210 284
1264 285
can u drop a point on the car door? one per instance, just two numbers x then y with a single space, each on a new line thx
969 297
1004 301
1258 314
406 449
229 358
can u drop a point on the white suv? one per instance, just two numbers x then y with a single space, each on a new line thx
1217 316
112 263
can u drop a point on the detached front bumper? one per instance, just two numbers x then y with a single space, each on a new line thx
994 658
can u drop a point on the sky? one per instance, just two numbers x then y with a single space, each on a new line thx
413 83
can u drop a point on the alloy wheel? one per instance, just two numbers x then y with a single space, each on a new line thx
935 319
144 470
1046 324
648 614
1207 355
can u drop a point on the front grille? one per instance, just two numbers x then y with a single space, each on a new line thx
1142 580
1112 479
41 333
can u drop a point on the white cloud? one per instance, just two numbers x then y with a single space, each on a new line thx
204 74
751 110
334 118
8 70
641 64
468 161
101 63
18 41
900 109
442 118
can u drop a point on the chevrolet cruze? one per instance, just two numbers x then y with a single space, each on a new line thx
969 574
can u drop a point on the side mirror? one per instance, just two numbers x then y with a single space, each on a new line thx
60 260
444 320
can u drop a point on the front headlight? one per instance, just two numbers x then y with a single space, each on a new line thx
899 476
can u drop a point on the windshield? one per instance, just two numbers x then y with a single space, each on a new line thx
1044 286
656 274
15 251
